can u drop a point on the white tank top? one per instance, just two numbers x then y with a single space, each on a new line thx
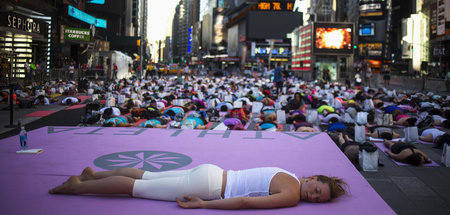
434 132
251 182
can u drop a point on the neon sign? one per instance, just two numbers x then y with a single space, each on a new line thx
275 6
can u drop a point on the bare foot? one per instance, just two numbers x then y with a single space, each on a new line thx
67 187
87 174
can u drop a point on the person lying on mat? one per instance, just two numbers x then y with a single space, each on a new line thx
383 133
41 99
269 124
70 101
209 186
349 147
234 123
403 119
406 153
300 124
159 122
109 112
195 120
432 135
121 121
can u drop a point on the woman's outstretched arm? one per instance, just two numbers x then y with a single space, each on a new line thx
278 200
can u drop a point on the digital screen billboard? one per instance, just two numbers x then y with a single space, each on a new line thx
333 38
78 14
96 1
366 29
272 24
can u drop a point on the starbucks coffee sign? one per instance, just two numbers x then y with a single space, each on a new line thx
78 34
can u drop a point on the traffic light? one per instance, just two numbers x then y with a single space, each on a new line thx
185 61
138 42
355 46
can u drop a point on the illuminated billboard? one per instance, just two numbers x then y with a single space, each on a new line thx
333 38
96 1
78 14
367 29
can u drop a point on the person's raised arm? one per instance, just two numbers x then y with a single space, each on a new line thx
278 200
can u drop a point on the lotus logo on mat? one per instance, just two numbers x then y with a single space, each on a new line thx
153 161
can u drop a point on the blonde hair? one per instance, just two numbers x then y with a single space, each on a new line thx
337 185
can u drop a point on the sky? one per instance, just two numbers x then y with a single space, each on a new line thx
159 12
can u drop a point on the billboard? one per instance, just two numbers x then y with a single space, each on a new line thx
272 24
367 29
96 1
371 8
78 14
333 38
77 34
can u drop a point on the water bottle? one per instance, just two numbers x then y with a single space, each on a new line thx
23 138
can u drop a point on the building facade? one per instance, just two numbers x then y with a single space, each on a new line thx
27 32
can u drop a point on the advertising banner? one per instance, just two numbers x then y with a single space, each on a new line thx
78 14
77 34
333 38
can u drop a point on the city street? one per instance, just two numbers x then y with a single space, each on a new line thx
225 106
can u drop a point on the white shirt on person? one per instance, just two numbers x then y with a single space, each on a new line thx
73 99
251 182
115 111
434 132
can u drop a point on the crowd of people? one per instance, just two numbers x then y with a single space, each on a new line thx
243 103
192 102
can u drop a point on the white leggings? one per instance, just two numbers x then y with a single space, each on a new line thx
203 181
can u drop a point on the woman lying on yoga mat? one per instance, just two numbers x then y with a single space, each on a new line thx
209 186
195 120
157 122
406 153
121 121
384 133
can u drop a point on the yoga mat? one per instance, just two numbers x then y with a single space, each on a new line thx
76 107
54 95
426 143
382 148
25 179
40 113
82 98
373 139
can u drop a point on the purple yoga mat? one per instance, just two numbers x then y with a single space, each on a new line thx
382 148
426 143
25 179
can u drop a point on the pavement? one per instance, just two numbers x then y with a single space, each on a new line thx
411 84
407 189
